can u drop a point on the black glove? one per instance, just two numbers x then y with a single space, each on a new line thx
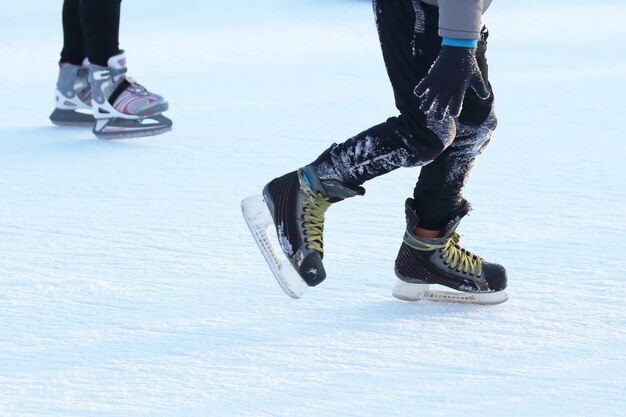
454 70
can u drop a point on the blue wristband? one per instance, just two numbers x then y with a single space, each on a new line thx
463 43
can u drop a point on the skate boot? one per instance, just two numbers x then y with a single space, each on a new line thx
73 96
295 204
122 107
422 262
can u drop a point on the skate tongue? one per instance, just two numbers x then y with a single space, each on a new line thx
451 226
117 61
118 64
413 221
335 190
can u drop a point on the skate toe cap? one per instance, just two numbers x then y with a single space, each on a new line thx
495 275
312 270
152 109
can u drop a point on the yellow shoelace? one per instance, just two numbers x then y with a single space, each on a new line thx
453 255
315 207
460 259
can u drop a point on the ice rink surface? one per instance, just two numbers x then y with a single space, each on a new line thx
130 285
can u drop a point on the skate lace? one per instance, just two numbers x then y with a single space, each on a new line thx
459 259
454 256
314 208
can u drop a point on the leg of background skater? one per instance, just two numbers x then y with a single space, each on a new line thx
122 107
73 92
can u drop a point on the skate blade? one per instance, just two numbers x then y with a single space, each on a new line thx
72 118
119 128
415 292
259 219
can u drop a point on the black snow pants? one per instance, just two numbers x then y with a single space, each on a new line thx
90 30
446 150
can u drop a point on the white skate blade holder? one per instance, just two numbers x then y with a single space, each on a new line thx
259 219
415 292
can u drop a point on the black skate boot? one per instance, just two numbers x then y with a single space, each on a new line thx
295 204
424 261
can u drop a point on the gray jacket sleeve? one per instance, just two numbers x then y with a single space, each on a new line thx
461 18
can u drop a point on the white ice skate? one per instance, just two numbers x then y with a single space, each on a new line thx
259 220
123 108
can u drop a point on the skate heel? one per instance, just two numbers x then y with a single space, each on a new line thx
409 292
406 291
72 98
259 219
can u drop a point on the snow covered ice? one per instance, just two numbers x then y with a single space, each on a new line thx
130 284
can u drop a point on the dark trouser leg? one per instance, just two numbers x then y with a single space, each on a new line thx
439 190
101 23
410 44
74 50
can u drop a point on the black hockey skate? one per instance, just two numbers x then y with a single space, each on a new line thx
295 204
422 262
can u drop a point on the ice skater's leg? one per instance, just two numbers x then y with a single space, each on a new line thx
73 92
122 107
430 252
408 37
296 202
101 24
74 50
439 190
